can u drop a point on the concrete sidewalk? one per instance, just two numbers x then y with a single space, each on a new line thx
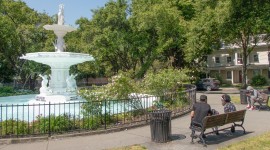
256 122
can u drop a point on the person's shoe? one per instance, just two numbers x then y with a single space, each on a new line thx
248 106
251 108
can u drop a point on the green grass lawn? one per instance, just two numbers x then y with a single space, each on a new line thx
235 99
261 142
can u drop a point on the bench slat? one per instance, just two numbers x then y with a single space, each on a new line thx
235 116
213 121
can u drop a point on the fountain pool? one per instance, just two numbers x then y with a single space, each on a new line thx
27 108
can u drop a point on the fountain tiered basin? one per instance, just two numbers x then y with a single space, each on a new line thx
60 85
59 63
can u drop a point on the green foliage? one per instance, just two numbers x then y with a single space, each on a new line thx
165 80
122 87
92 123
219 78
10 91
126 36
258 80
12 127
172 101
21 32
57 123
119 88
6 89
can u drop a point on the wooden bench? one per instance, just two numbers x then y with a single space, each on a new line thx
263 101
236 118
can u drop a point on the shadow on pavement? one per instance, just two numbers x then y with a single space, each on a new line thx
223 136
174 137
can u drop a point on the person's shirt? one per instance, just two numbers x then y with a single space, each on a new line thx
254 93
201 110
229 107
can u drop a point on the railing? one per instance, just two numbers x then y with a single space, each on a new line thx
56 118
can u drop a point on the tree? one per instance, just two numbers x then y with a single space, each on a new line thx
124 37
159 33
245 21
106 37
233 22
21 32
203 35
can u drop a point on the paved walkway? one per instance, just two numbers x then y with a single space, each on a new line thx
256 122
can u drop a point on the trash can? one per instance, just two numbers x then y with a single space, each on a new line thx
243 96
160 125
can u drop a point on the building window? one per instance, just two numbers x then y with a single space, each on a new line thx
217 60
229 60
256 58
239 59
256 72
229 75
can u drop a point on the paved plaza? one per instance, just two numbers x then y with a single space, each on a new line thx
256 123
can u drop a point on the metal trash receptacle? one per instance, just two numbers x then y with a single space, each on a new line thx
243 96
160 125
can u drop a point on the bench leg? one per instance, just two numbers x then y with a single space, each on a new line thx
233 129
192 136
239 125
260 106
202 136
215 130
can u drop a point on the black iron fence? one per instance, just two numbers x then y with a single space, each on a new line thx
55 118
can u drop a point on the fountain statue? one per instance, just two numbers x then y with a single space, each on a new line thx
61 19
61 86
71 83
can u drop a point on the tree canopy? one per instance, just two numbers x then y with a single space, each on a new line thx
134 35
21 31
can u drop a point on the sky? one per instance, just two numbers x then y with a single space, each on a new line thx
73 9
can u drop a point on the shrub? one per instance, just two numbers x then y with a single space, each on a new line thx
219 78
58 124
7 89
12 127
166 80
258 80
91 122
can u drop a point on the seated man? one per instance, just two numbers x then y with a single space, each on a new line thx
200 110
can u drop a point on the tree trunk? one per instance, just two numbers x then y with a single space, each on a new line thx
244 57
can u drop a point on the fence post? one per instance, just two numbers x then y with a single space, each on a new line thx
49 119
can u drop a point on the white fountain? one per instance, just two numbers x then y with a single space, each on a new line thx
61 86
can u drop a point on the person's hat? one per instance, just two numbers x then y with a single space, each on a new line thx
226 97
249 88
203 97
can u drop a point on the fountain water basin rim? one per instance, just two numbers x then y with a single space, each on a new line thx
57 27
67 58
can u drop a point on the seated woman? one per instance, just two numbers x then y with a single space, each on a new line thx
226 102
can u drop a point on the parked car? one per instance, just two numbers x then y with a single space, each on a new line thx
208 84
